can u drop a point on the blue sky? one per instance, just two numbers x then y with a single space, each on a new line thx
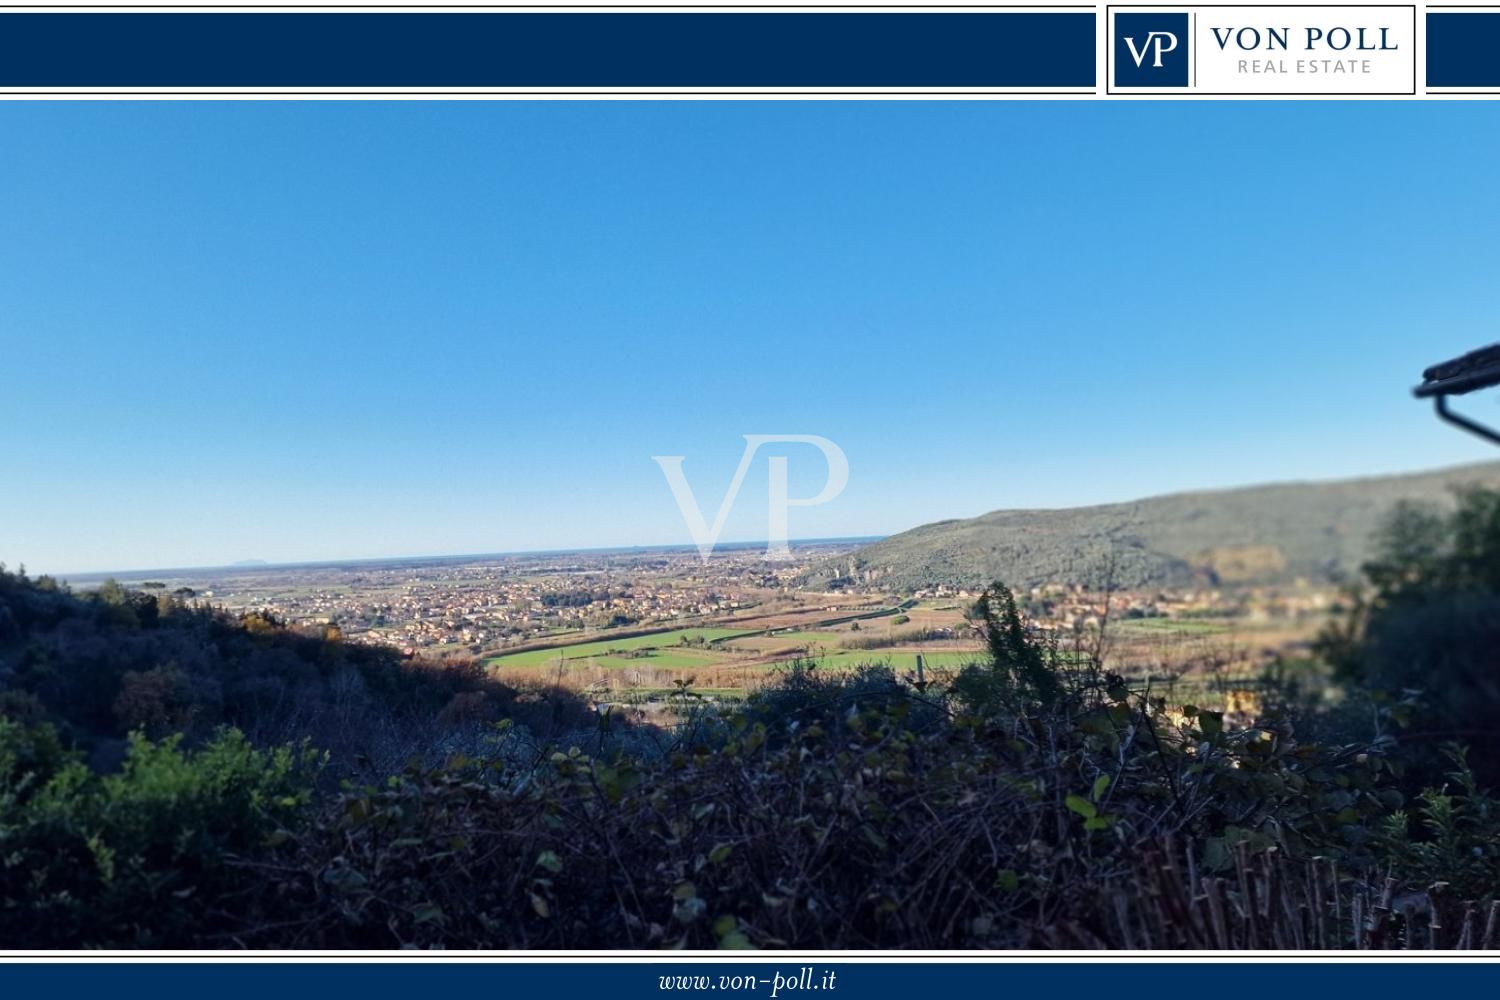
290 331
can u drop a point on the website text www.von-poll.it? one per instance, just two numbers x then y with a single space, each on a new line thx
804 980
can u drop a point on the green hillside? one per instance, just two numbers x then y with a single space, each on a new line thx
1277 533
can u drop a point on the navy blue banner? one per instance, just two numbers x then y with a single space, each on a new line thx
755 977
1463 49
962 51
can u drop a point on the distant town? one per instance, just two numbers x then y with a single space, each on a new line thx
644 619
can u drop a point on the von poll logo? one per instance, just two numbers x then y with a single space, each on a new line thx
1263 49
705 536
1151 50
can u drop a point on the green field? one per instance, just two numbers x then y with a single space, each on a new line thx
782 640
662 659
898 659
665 651
667 642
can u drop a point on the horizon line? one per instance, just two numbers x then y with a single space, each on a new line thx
752 543
250 564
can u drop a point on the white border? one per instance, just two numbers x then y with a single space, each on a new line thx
663 958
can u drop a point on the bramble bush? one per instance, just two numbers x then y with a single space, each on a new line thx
855 831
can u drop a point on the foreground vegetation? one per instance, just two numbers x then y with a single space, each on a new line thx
170 777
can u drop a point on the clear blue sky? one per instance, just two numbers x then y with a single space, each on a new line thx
290 331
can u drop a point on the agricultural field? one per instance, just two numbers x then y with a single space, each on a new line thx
1174 626
731 661
771 643
661 659
659 646
740 654
903 660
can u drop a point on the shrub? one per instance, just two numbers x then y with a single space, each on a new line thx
1023 669
139 858
1456 839
1430 626
158 701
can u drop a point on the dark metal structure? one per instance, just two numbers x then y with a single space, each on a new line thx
1474 371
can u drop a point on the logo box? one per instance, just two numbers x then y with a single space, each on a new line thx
1151 49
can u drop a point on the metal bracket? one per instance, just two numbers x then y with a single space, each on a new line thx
1459 420
1474 371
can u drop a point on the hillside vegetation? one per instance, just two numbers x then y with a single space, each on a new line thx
174 777
101 666
1258 535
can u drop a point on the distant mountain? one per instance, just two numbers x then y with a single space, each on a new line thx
1270 534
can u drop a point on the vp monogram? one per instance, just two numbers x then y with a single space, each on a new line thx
1157 44
1151 50
780 502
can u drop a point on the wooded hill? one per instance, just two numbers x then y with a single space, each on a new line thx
1272 534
